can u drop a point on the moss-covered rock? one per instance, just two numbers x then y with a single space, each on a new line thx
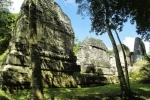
55 40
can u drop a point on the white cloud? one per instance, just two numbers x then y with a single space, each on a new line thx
69 2
147 46
129 41
16 6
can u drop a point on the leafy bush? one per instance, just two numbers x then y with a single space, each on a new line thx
145 70
110 52
77 45
7 21
2 57
142 70
4 96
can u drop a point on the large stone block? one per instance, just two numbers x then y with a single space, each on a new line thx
93 58
92 54
55 41
139 50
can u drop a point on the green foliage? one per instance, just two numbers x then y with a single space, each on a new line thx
135 75
142 71
140 63
145 70
140 14
110 52
4 96
7 21
145 73
3 56
77 46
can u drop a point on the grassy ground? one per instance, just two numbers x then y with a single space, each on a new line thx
107 92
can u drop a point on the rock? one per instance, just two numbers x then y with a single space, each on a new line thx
127 54
139 50
128 58
93 58
55 40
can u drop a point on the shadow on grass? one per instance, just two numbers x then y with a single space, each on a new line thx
3 98
107 92
93 97
141 90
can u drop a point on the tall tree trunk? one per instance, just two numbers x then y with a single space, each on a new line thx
118 63
126 65
121 77
36 79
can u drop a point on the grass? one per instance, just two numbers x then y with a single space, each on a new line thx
2 57
4 96
76 93
107 92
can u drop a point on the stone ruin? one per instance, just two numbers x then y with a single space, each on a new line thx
97 65
55 43
93 59
92 53
139 50
127 54
132 57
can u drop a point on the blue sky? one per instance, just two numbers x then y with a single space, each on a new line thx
82 26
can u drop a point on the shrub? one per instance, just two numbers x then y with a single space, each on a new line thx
3 56
142 71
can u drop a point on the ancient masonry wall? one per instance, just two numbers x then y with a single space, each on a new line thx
55 38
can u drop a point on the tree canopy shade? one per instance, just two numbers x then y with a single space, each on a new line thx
140 13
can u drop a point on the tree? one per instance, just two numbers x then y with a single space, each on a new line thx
6 23
140 13
77 45
125 61
110 52
5 4
36 81
102 13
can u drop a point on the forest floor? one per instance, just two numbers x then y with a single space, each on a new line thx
106 92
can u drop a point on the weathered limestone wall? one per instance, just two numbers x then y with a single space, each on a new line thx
92 54
93 58
127 54
139 50
55 38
